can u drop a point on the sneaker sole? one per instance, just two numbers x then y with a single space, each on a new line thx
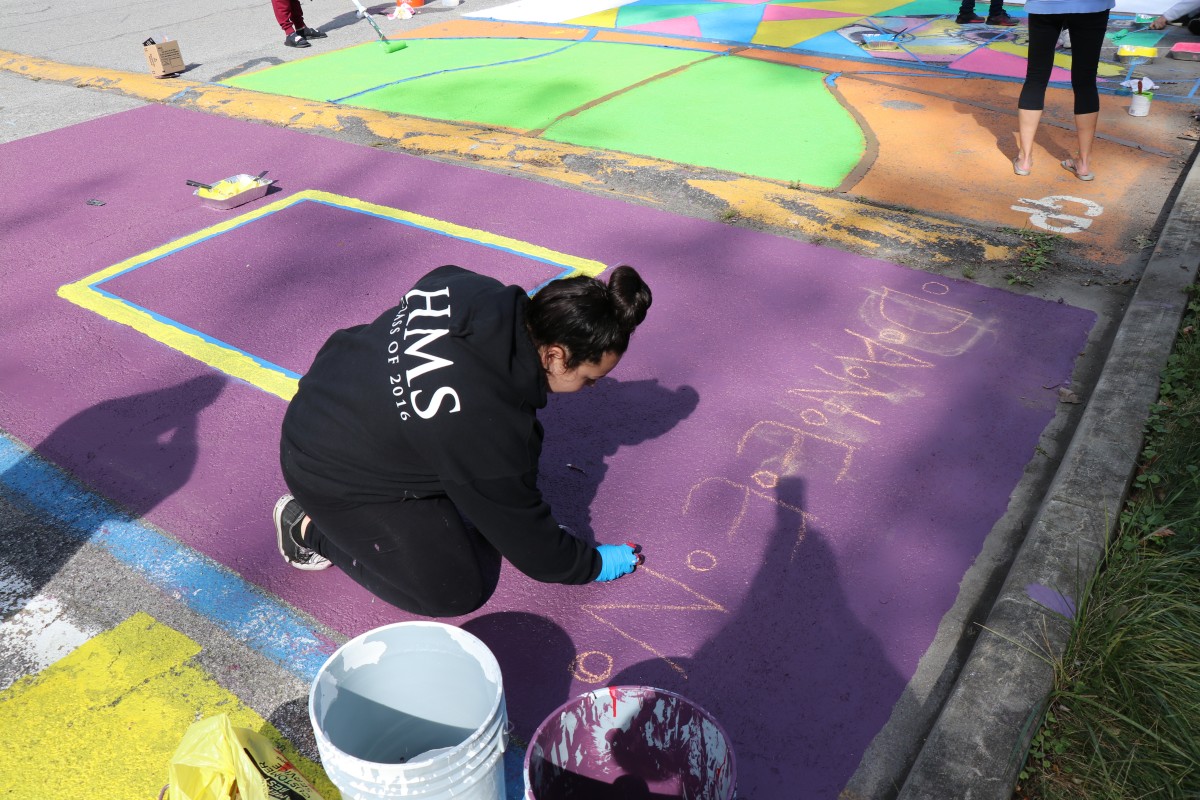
277 515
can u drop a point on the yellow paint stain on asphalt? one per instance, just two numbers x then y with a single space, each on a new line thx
104 721
831 218
847 222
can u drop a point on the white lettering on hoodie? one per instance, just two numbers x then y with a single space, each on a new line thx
405 315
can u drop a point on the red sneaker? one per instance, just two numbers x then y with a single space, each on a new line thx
1002 20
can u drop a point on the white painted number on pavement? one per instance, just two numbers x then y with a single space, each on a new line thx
1048 211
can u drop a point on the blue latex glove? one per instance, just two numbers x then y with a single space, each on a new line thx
617 560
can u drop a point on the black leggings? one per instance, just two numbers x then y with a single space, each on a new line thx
418 554
1087 37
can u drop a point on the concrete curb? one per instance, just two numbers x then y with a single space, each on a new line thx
978 743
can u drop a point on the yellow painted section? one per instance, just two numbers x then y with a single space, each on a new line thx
864 7
993 252
601 19
786 33
103 722
238 364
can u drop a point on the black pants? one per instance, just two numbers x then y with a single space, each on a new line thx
418 554
995 7
1087 37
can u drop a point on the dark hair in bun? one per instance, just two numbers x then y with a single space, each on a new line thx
588 317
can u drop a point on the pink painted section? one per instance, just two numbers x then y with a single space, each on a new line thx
679 26
992 62
811 446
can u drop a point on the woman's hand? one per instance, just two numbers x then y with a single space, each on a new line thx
618 559
1159 23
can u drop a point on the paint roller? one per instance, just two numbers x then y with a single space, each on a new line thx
388 44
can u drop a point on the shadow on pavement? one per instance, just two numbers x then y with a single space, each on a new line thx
136 451
813 686
585 429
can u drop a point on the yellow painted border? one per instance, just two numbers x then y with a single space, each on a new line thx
238 364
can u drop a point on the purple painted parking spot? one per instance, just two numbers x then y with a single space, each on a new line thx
294 264
810 445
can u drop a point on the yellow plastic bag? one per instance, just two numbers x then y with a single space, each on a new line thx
216 761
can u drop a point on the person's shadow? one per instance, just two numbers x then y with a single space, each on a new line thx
798 683
132 452
584 428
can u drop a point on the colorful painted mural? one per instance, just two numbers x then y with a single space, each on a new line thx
750 88
916 33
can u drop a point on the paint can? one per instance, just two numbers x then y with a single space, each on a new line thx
412 710
1139 103
626 742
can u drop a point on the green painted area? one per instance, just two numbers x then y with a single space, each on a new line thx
925 8
528 95
735 114
331 76
640 15
1139 39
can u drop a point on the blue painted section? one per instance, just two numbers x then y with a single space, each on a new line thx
203 585
833 43
257 620
738 24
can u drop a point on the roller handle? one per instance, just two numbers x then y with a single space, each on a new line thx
198 184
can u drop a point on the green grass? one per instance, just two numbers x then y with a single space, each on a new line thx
1036 255
1124 718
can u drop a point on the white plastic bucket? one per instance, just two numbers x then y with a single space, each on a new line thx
1139 104
627 742
411 710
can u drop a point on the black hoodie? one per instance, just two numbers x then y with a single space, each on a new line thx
439 395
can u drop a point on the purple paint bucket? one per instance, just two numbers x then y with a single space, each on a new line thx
629 743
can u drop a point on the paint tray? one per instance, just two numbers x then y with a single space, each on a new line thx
1133 54
880 41
234 191
1185 51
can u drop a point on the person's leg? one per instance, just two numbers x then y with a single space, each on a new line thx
302 28
1027 125
998 16
296 13
283 15
1087 38
1043 33
416 554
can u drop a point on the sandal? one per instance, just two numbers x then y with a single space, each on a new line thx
1017 169
1069 166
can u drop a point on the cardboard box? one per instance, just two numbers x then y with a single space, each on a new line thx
164 59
